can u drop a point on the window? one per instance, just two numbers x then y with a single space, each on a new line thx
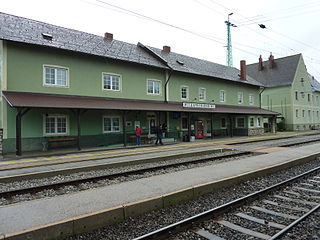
297 113
317 114
251 99
202 94
308 97
222 96
223 123
309 113
153 87
111 82
184 93
296 95
302 113
55 125
111 124
240 97
258 122
240 122
55 76
184 123
251 120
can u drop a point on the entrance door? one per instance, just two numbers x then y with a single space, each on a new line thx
152 126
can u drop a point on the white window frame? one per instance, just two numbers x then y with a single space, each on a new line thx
204 94
251 118
244 122
113 75
258 122
187 92
111 117
222 93
251 99
56 132
240 97
55 84
154 80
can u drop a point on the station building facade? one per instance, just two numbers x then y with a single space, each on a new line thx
62 83
289 90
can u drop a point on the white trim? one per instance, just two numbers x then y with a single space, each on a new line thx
55 134
112 74
154 80
224 95
112 116
205 94
55 67
187 87
252 96
249 122
240 94
258 125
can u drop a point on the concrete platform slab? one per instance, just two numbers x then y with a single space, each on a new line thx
34 214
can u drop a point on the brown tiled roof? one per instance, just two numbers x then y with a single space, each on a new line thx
39 100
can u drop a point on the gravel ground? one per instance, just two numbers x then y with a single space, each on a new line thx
134 227
90 185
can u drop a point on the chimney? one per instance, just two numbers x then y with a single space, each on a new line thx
243 70
260 67
108 36
166 49
271 61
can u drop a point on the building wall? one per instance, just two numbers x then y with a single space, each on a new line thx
213 87
24 71
279 99
307 101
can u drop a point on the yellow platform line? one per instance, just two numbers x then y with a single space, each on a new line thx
126 152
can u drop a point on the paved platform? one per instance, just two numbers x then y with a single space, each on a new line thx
70 155
71 211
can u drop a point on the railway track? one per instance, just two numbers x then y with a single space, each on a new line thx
78 183
266 214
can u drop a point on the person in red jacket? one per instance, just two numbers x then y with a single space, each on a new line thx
138 132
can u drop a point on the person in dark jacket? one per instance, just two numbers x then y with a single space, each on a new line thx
159 134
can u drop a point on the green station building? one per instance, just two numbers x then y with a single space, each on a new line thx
60 85
289 90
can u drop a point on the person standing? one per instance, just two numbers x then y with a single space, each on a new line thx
138 132
159 134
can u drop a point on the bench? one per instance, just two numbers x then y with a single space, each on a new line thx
144 139
61 142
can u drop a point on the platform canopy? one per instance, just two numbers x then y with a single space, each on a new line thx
41 100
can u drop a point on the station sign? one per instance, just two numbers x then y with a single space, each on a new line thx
198 105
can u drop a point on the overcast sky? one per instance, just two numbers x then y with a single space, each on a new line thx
192 27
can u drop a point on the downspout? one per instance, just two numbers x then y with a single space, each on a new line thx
166 84
260 97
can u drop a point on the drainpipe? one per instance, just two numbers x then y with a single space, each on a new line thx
260 98
166 85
